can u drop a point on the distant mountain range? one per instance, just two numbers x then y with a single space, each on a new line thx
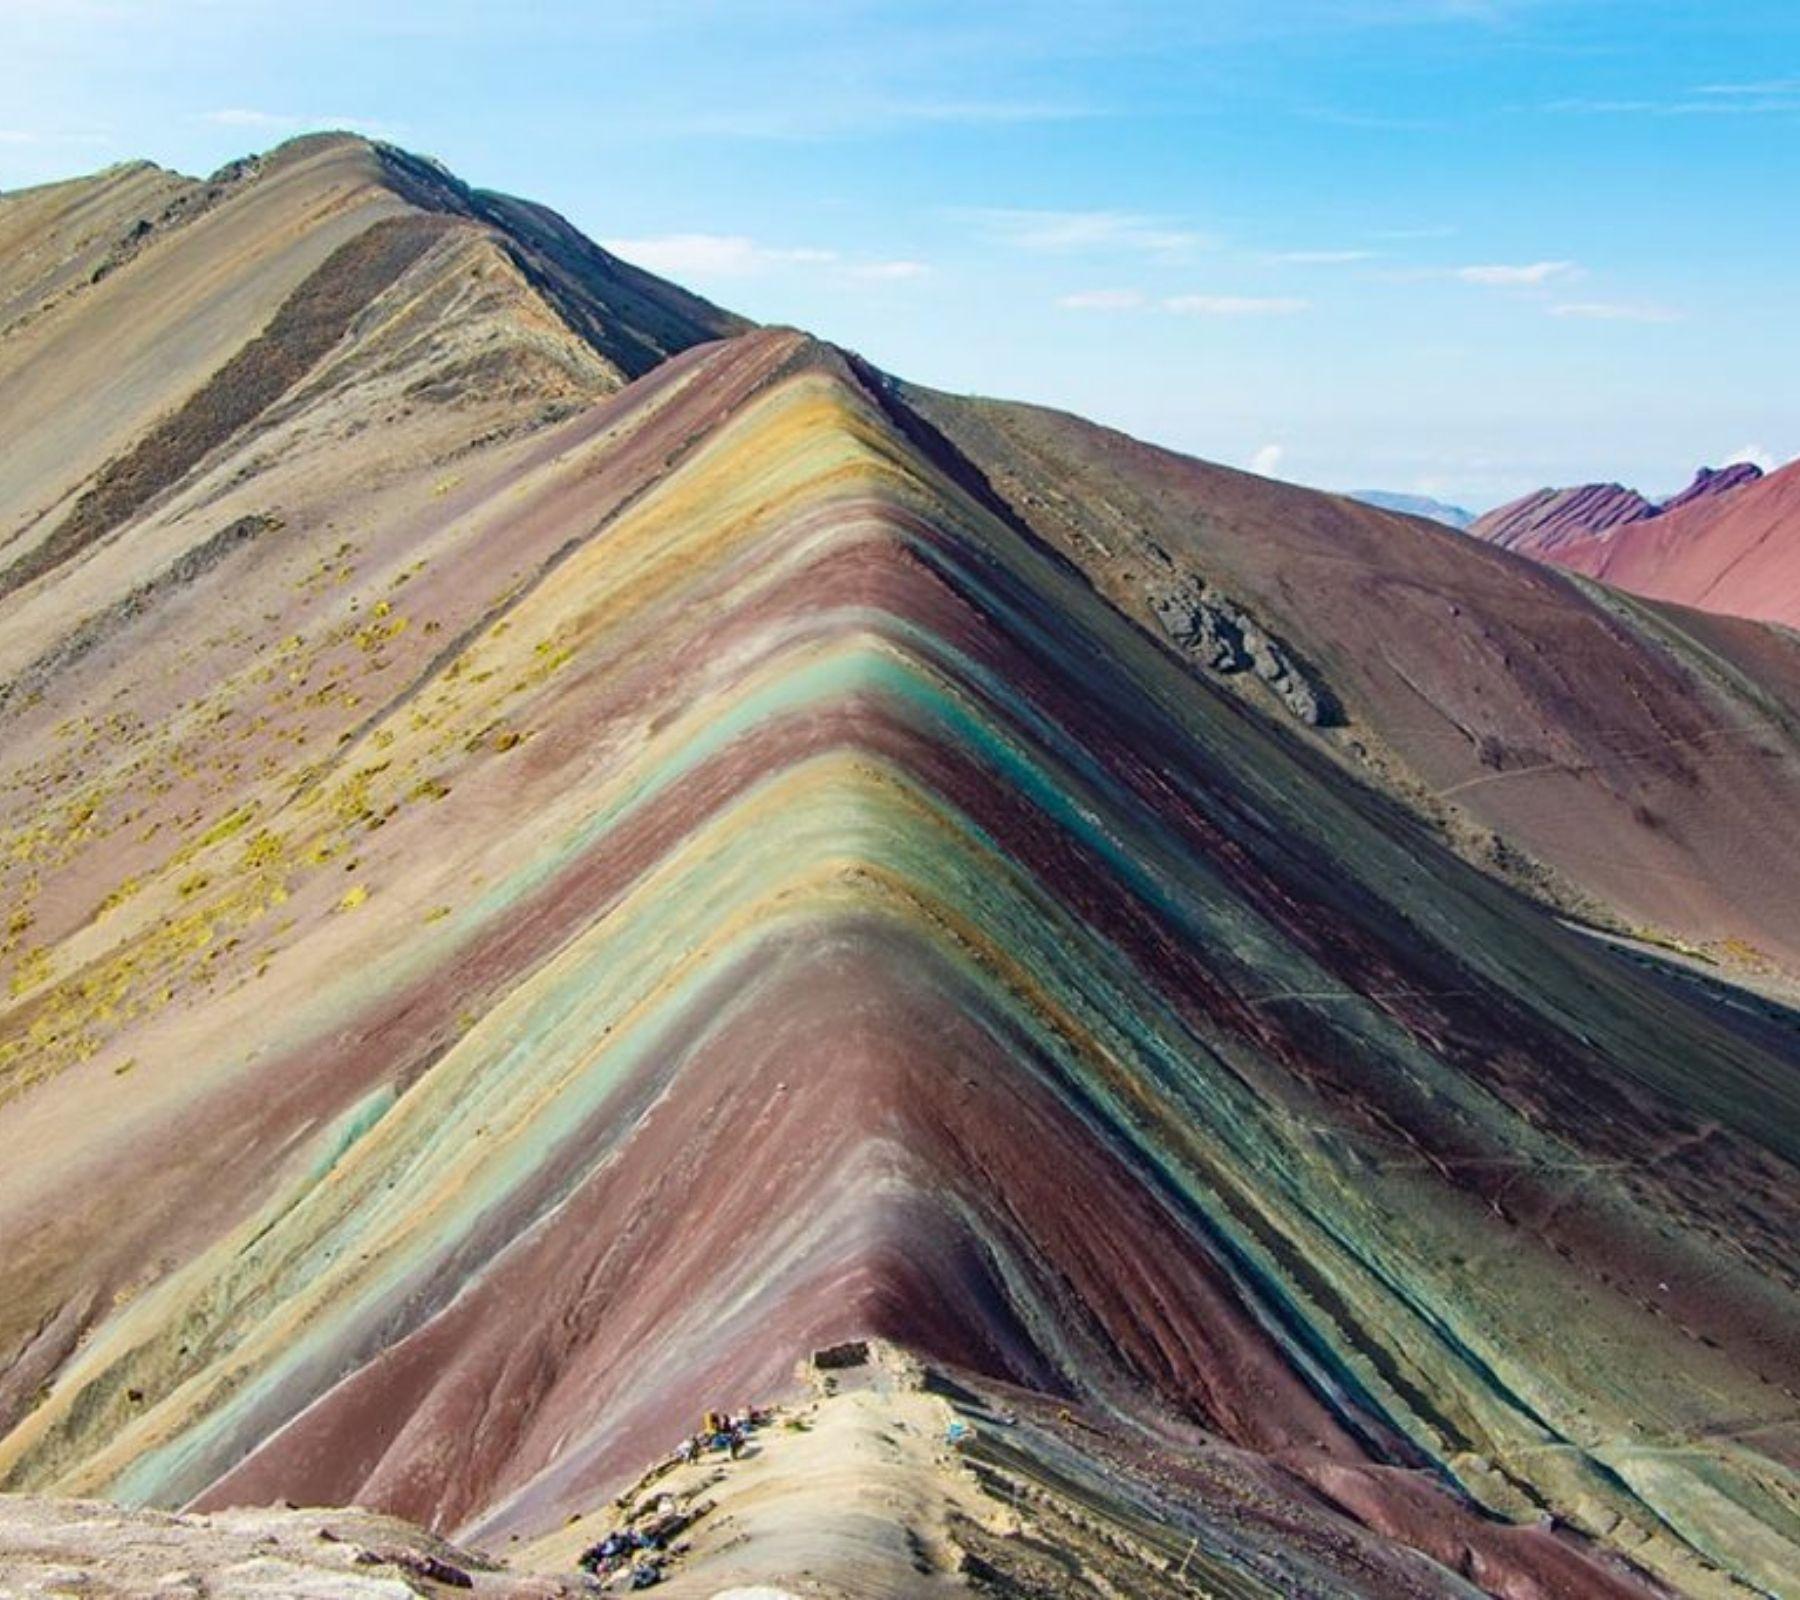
1416 505
1729 542
1537 523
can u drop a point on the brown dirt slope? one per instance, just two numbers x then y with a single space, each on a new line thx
1631 759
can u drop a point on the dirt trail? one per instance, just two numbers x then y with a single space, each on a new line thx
849 1492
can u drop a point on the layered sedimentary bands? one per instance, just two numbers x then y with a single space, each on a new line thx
1542 522
1729 542
563 851
1738 552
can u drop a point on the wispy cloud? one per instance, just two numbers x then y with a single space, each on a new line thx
1765 87
1103 300
244 117
1235 305
889 271
1067 232
1530 275
281 122
808 117
718 256
1369 121
1777 97
1616 311
1267 461
712 255
977 112
1184 305
25 137
1318 258
1755 454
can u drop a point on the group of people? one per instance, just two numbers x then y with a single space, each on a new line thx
721 1432
620 1553
636 1552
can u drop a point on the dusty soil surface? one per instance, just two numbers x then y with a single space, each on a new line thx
88 1550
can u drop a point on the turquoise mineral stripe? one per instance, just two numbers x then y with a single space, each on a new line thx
443 1107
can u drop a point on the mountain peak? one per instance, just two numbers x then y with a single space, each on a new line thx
641 858
1713 480
1722 543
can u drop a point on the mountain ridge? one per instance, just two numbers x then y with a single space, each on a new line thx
585 905
1726 543
1736 553
1548 520
1416 505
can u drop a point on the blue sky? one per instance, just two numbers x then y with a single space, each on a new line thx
1459 247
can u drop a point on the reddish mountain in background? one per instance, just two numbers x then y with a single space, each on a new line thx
1546 520
1540 521
1736 552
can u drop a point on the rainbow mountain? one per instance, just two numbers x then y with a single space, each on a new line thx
563 852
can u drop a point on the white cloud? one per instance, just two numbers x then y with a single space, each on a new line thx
1233 305
975 111
20 138
280 122
714 256
1616 311
1063 232
1267 460
890 271
1319 258
1530 276
1768 86
850 114
1755 454
242 117
1102 300
1370 121
711 255
1714 100
1191 305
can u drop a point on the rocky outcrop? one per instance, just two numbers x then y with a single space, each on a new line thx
1223 637
1711 481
